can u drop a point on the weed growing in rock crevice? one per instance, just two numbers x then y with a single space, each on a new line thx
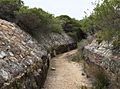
101 81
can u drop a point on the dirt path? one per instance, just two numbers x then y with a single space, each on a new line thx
67 74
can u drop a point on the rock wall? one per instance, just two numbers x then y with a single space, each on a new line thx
100 57
24 61
58 43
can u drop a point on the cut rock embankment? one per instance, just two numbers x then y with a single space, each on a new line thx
67 74
24 61
100 58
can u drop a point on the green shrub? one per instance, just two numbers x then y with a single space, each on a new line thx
72 27
80 54
77 58
101 81
8 8
35 21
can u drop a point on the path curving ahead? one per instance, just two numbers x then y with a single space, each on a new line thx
67 74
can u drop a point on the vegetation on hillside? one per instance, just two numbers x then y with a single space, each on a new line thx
36 21
31 19
8 8
72 27
104 22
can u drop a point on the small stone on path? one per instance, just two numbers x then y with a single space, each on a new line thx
52 68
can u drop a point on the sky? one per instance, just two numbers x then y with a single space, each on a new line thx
72 8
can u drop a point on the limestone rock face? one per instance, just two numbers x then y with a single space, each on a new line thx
101 55
57 43
104 49
19 52
55 40
22 64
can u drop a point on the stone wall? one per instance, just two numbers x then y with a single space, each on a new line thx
100 57
24 61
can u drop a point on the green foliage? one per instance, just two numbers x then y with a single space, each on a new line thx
8 8
38 20
73 35
33 20
101 81
72 27
105 21
107 14
87 25
80 55
76 58
105 34
107 18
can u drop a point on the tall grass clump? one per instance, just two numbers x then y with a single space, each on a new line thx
80 54
101 81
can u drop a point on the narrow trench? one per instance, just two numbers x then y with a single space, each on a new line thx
65 74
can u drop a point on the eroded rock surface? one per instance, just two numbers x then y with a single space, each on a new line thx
102 56
22 65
